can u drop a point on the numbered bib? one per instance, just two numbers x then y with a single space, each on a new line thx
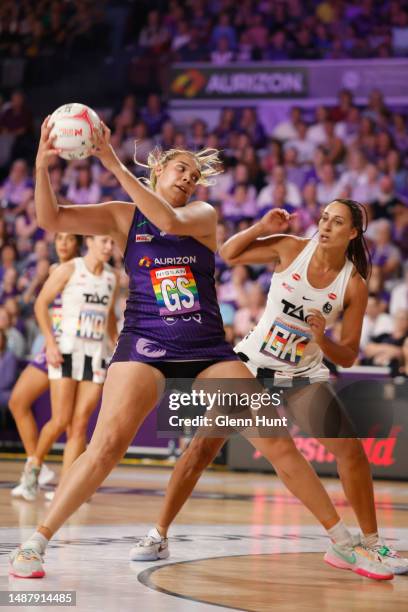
285 342
175 290
91 325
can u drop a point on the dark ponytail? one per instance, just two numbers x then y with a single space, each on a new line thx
358 251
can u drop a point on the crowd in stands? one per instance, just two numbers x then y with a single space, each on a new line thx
207 30
223 31
300 164
50 28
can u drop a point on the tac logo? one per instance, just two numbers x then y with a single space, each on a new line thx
145 262
188 83
94 298
296 276
292 310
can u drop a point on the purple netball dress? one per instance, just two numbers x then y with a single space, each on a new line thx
172 312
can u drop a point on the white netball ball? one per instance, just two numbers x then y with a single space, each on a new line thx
73 127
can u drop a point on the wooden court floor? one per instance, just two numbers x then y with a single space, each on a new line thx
242 542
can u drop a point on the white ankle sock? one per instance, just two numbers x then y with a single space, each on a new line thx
370 539
339 534
37 541
154 533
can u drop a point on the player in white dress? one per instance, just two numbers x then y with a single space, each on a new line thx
77 357
33 381
314 281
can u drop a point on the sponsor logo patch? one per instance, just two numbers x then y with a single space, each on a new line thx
144 237
145 262
296 276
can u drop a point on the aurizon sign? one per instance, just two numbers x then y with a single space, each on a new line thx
238 82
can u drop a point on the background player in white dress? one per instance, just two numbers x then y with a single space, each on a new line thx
33 381
314 281
77 358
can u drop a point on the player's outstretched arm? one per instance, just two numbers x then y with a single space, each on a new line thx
257 244
112 218
54 285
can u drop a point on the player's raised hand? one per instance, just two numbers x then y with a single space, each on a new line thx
317 324
46 148
275 221
101 146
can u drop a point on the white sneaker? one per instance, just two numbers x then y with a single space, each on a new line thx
46 475
29 486
17 491
389 557
150 548
26 563
358 559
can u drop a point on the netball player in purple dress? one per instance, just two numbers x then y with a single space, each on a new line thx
168 241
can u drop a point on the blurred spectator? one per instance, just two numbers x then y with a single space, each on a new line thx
345 105
395 168
375 322
26 223
15 340
240 205
4 235
287 130
182 35
8 285
222 54
223 30
84 189
399 295
16 126
305 147
328 188
384 254
257 33
384 205
137 143
8 259
386 349
195 50
250 124
198 136
399 132
154 37
17 187
248 316
8 370
153 114
295 172
265 197
279 48
316 133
